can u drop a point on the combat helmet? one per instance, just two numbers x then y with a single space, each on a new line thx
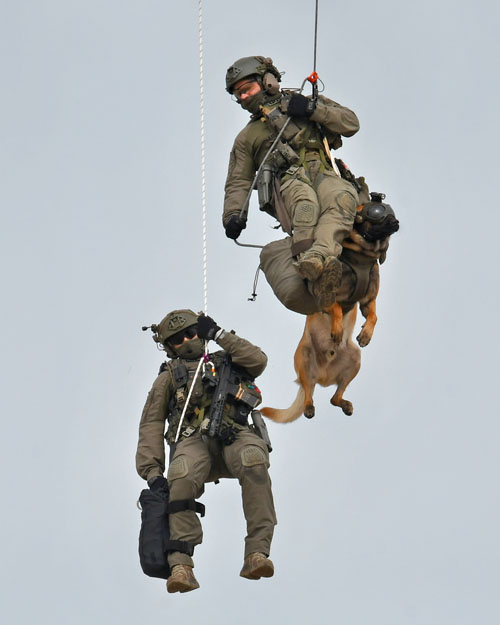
259 66
169 326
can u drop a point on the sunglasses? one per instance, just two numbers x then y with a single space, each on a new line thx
178 338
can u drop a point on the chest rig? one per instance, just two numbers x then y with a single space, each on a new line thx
241 398
299 138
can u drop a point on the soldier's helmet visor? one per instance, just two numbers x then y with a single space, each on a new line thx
178 338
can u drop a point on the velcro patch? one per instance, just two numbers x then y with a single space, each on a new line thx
305 214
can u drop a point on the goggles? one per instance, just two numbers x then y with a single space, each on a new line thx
376 212
244 88
178 338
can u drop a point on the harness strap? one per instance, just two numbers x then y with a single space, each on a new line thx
301 246
361 277
279 206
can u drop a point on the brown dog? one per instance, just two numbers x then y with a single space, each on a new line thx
326 354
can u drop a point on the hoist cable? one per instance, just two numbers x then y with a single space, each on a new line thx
203 213
202 150
313 80
315 35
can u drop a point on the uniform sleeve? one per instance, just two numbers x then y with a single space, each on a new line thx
150 456
244 354
240 175
335 118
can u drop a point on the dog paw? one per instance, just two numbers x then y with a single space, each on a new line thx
337 338
347 407
309 411
363 338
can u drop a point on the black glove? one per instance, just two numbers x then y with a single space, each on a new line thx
300 106
158 483
234 227
207 328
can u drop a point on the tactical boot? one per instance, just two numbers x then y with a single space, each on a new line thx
182 579
325 287
257 565
310 267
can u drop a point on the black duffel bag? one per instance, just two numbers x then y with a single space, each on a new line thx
154 537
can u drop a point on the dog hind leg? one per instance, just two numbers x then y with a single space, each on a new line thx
349 372
303 367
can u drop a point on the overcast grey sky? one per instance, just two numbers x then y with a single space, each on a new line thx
389 517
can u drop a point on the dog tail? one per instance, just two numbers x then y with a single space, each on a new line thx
286 415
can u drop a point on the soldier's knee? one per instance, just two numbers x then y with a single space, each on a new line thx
179 479
252 455
254 464
346 202
305 215
178 468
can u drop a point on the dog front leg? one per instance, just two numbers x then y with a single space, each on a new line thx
337 327
368 311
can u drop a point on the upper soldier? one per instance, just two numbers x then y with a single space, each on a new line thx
319 205
198 454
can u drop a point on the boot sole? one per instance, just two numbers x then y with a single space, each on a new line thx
180 587
261 571
310 271
325 288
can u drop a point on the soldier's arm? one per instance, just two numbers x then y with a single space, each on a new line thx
335 118
240 175
150 456
244 353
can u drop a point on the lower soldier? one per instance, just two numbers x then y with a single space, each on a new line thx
202 454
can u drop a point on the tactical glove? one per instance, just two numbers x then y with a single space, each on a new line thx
158 483
300 106
234 227
207 328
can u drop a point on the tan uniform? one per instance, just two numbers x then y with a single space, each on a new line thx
197 460
321 205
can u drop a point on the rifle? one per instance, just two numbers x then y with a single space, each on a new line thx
220 396
228 387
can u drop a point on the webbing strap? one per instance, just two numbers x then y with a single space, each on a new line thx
179 505
301 246
179 545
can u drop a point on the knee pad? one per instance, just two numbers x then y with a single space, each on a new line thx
305 215
346 203
251 455
178 468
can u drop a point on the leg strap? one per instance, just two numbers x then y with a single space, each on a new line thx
180 505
